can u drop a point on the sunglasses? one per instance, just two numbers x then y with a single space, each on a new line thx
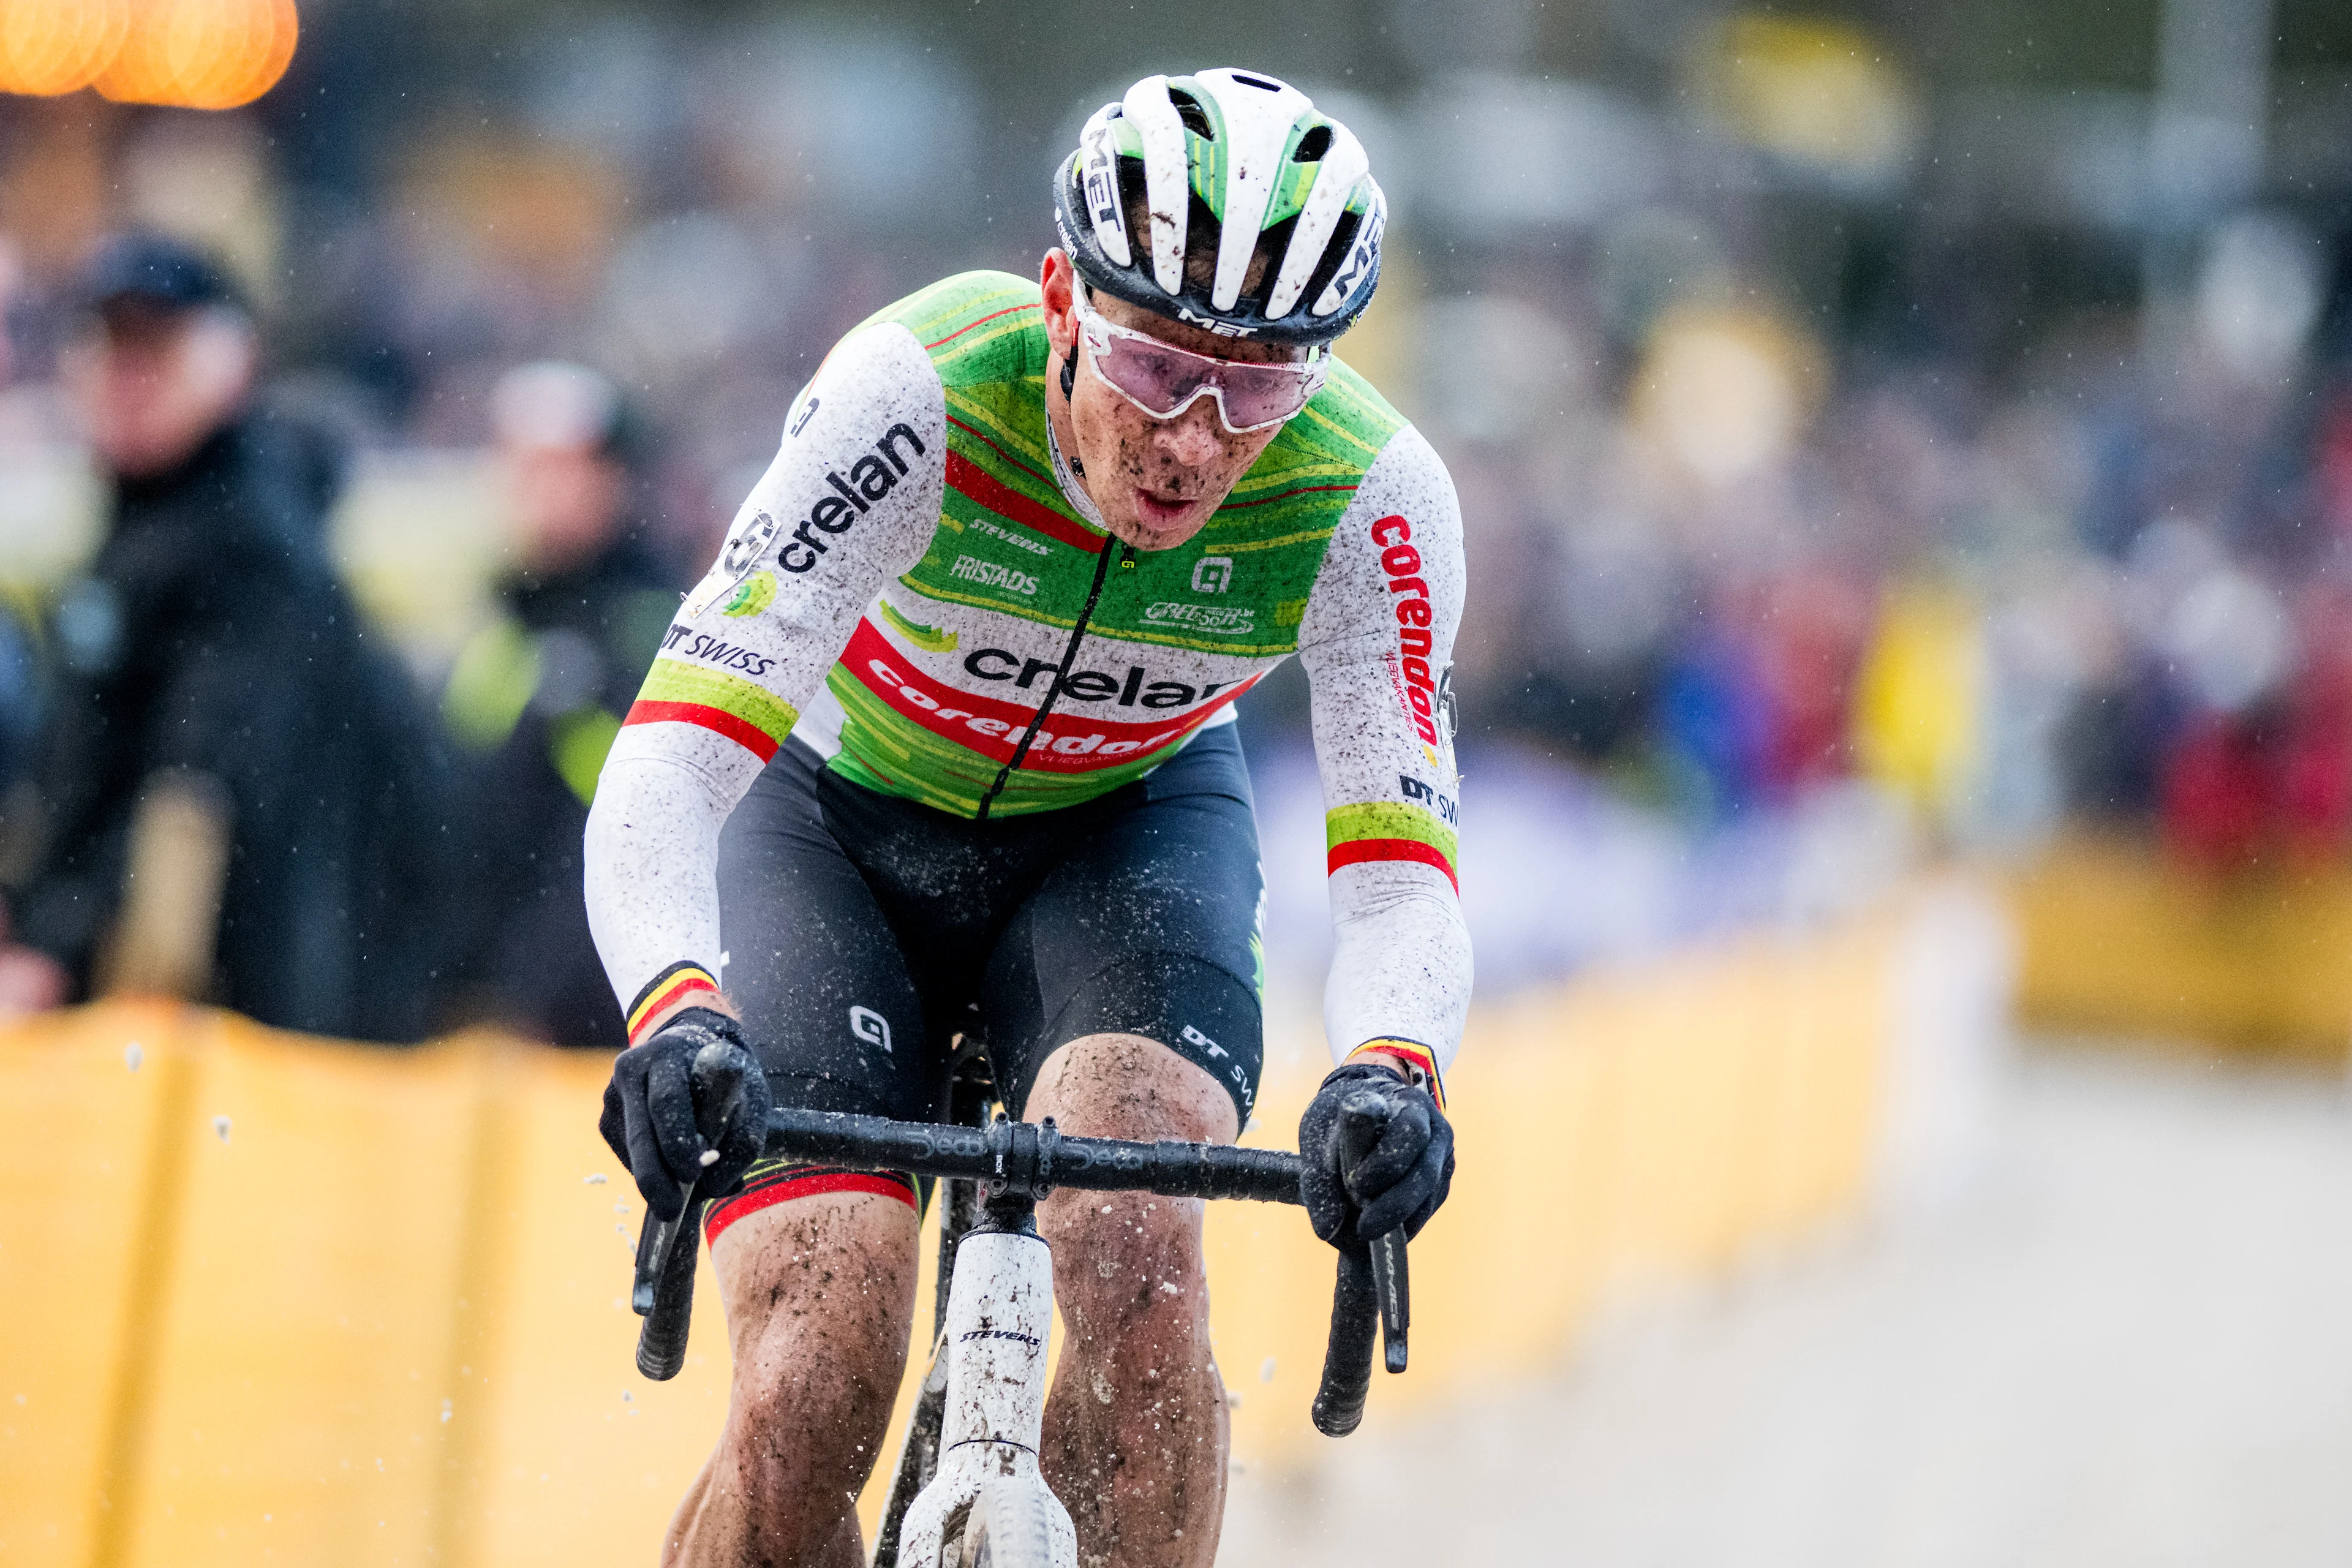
1163 380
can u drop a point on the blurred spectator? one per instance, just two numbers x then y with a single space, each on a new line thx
237 786
20 706
537 697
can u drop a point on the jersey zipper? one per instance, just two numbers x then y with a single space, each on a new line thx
1069 658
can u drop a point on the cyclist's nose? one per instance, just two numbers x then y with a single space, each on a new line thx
1192 436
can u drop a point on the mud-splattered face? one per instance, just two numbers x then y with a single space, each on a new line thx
1156 481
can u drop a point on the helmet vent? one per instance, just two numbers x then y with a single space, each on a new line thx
1313 145
1195 118
1258 82
1266 265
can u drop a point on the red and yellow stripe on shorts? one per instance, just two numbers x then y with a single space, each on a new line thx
772 1181
751 716
1389 830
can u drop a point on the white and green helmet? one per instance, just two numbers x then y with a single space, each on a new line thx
1249 157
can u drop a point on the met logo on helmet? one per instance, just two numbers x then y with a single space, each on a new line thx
1223 329
1360 259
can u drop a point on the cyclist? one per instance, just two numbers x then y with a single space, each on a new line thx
942 746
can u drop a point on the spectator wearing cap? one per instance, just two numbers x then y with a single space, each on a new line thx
536 697
237 787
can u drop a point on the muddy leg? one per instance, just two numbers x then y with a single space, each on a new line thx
820 1295
1136 1427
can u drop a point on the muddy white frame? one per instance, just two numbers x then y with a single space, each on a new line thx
992 1348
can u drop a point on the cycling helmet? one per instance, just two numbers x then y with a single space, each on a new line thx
1243 158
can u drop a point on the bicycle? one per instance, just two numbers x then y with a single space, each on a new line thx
968 1492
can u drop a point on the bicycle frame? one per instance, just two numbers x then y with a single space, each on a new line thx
1000 1311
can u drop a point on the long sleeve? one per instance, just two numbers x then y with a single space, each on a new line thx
850 502
1378 642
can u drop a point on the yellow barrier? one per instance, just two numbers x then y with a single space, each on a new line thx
376 1315
2118 938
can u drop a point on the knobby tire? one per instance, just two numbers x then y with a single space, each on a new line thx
1008 1528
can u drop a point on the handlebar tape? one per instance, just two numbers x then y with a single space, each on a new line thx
1356 1299
664 1292
1035 1155
1348 1359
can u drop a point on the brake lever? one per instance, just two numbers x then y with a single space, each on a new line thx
663 1291
1392 1286
656 1238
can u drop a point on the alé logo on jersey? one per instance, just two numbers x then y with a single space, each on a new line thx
754 531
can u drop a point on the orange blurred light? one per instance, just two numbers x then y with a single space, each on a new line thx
136 74
49 46
203 54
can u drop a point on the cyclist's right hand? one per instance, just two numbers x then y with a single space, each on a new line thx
686 1104
1400 1179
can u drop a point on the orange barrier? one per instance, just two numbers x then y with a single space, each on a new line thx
271 1299
2121 939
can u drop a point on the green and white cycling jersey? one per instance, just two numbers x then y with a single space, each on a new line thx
921 589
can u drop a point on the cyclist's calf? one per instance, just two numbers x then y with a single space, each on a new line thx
820 1298
1135 1430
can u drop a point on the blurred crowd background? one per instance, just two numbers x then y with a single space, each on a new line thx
1882 429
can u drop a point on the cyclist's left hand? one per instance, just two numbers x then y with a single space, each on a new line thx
1401 1181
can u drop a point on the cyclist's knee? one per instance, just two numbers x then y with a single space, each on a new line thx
1124 1255
819 1293
1126 1086
1120 1256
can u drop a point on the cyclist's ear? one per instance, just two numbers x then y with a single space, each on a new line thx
1057 286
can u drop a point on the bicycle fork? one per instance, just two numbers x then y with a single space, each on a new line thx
1000 1311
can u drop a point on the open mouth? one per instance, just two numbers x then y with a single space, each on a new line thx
1162 509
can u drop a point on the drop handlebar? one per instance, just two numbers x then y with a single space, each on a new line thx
1034 1159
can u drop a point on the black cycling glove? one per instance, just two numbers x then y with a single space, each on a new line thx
691 1087
1400 1179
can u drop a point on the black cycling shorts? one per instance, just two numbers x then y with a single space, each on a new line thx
864 932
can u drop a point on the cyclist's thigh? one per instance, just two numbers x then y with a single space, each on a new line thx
1148 927
827 1002
946 886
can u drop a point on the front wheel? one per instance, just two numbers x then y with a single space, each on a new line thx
1009 1527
